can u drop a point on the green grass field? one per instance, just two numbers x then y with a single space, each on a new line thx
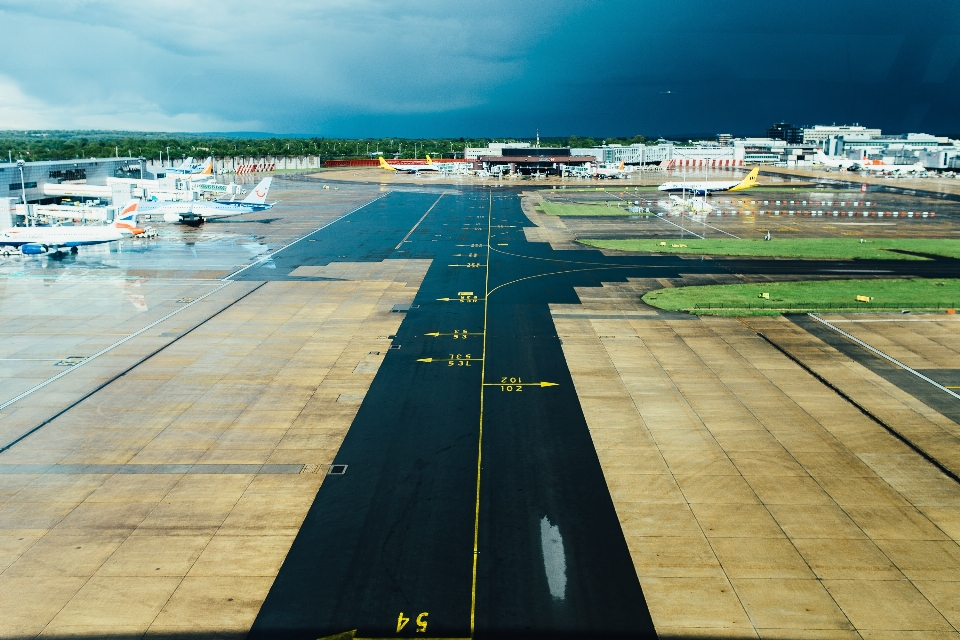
586 209
820 295
815 248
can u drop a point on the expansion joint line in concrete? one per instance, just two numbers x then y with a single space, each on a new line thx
483 378
106 349
896 434
131 367
875 351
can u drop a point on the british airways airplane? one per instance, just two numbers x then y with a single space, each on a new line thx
37 240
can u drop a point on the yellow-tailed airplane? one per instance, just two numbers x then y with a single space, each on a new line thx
408 168
709 186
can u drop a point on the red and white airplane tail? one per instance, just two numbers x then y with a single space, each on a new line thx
126 220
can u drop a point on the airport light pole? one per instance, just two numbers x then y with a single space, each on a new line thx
23 188
23 192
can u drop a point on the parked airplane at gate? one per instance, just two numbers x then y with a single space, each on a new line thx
611 172
709 186
257 198
408 168
197 212
188 168
37 240
867 165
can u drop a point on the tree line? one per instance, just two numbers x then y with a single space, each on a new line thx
35 146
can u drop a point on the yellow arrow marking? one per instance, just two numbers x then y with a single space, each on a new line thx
521 384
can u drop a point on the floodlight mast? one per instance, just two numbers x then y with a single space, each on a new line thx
23 190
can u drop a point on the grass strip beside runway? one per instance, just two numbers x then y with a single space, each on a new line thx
815 248
587 209
819 295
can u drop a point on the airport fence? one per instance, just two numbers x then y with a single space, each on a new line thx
824 306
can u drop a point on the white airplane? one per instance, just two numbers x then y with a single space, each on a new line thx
189 168
709 186
610 172
408 168
257 199
37 240
867 165
197 212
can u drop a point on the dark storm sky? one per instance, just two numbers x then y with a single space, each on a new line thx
496 68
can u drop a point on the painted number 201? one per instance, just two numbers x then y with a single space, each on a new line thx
511 384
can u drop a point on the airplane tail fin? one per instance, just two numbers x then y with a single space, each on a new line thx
384 165
258 195
748 182
207 168
622 165
429 160
126 220
186 163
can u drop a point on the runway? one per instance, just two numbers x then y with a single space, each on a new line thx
473 503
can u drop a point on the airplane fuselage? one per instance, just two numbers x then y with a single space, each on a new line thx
699 188
44 239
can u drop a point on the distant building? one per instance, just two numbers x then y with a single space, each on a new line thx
36 174
534 163
724 138
904 149
820 134
786 132
494 149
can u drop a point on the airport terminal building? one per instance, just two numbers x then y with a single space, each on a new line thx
36 174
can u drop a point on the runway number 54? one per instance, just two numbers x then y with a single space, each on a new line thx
421 622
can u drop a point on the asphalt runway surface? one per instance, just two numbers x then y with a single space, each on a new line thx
473 503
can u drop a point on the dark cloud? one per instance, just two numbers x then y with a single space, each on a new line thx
374 67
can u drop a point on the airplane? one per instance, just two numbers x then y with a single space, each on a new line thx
867 165
189 168
37 240
196 213
257 199
709 186
408 168
607 172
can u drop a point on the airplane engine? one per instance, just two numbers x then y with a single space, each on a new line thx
171 217
32 249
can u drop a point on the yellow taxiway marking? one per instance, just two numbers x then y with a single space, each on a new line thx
483 374
949 387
